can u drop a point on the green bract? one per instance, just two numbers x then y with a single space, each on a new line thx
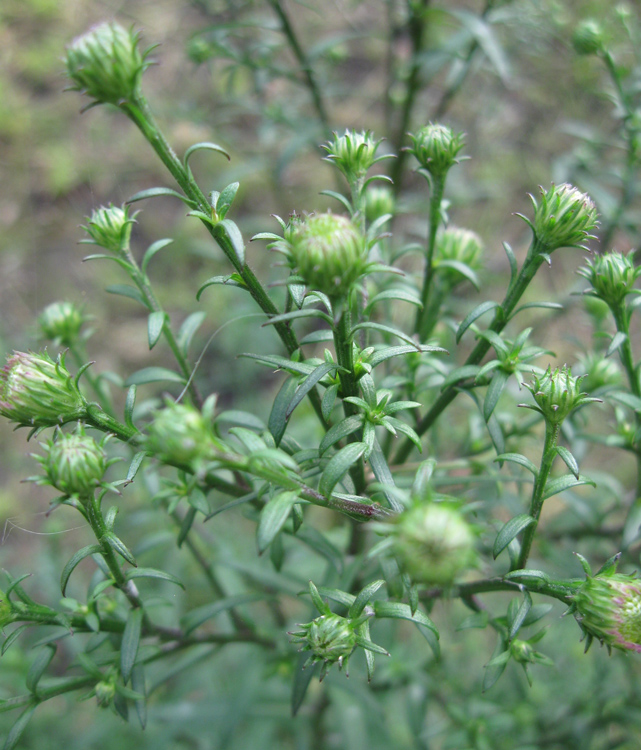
109 227
329 253
353 153
61 322
564 217
436 148
106 64
608 608
433 543
36 391
612 276
557 393
74 463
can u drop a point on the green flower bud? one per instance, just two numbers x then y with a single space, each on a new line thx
379 201
612 276
353 153
587 38
557 393
330 638
106 64
61 322
74 463
433 543
110 227
181 435
329 253
35 391
608 607
565 217
455 245
436 148
105 691
599 373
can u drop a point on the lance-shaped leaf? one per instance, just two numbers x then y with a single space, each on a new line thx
510 531
130 643
338 466
272 518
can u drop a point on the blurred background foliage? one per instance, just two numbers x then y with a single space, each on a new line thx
533 112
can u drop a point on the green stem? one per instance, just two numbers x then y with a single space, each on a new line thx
436 198
80 357
536 503
349 383
501 318
560 590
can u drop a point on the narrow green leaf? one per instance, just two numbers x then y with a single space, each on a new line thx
566 482
185 527
204 146
537 305
153 573
13 637
356 610
37 669
493 393
399 611
340 430
296 314
517 458
135 464
130 403
240 418
152 250
125 290
18 728
301 681
385 329
310 381
159 191
340 198
627 399
338 466
382 472
329 399
474 315
155 324
512 261
154 375
568 459
280 363
521 613
617 342
138 685
231 233
92 549
510 531
117 545
277 423
229 280
496 666
317 337
461 373
395 294
188 330
385 353
226 198
536 613
336 595
130 643
272 518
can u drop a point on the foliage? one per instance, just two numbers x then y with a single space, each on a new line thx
391 509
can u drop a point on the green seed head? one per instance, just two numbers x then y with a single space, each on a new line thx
436 148
379 201
434 543
353 153
109 227
329 253
106 64
455 245
587 38
36 391
612 276
330 638
61 322
74 463
564 217
608 607
181 435
557 393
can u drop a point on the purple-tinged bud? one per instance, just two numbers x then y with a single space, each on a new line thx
109 227
612 276
436 147
61 322
434 543
106 64
36 391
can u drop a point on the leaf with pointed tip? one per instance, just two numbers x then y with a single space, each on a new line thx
188 330
310 382
233 279
494 391
155 325
510 531
395 294
159 575
151 251
125 290
400 611
204 146
295 314
226 198
461 373
338 466
340 430
277 423
566 482
517 458
356 610
130 642
273 517
385 353
18 728
80 555
568 459
155 192
40 664
384 329
474 315
340 198
154 375
230 232
117 545
515 621
617 342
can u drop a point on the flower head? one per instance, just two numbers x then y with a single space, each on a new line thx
353 153
109 227
600 372
36 391
587 38
181 434
557 394
106 64
436 147
456 247
434 543
329 253
564 217
612 276
608 608
74 463
61 322
330 638
379 201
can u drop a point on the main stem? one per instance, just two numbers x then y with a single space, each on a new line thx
536 504
436 198
501 318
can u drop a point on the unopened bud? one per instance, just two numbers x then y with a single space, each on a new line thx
61 322
564 217
109 227
557 394
329 638
353 153
457 246
612 276
587 38
436 147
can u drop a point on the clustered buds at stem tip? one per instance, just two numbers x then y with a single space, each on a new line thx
612 276
433 543
106 64
36 391
436 147
109 227
564 217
